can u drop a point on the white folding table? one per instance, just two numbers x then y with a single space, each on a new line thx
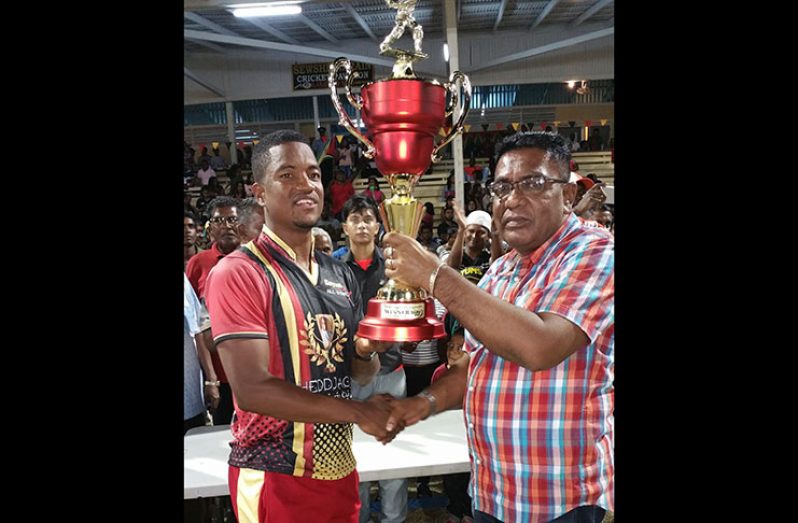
431 447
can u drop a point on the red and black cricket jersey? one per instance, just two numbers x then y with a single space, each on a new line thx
309 321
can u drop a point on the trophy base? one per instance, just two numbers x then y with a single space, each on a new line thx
385 321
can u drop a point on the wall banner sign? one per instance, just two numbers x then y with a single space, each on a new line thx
314 76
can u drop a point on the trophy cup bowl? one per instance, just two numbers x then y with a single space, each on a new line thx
403 115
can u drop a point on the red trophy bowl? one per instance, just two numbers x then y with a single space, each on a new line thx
403 116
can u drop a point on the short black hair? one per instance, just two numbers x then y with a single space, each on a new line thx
221 202
247 208
189 214
260 154
359 203
553 144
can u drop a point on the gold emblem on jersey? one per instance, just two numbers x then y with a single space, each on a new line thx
327 347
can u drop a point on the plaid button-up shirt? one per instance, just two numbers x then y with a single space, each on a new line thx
541 442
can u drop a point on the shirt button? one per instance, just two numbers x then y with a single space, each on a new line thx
471 425
471 388
477 461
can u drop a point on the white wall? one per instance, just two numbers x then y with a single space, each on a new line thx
247 73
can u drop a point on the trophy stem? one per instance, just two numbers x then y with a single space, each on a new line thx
402 212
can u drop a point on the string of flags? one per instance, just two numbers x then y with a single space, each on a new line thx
500 126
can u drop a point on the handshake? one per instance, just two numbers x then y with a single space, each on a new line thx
384 416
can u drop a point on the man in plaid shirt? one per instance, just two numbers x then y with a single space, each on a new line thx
537 388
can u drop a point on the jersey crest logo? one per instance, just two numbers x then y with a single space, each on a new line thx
326 347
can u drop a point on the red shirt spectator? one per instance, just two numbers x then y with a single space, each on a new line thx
341 190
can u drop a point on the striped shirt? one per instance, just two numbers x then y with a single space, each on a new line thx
541 443
426 352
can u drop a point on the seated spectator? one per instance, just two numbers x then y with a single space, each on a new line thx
426 239
340 190
322 241
215 187
217 162
448 189
205 173
447 222
373 190
190 246
237 190
206 195
250 219
444 249
329 223
472 170
429 215
470 248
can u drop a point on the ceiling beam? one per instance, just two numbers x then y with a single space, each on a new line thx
568 42
316 27
207 85
193 5
208 45
500 15
543 14
595 8
260 24
359 20
213 26
275 46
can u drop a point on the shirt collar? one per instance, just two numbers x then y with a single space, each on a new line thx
216 252
567 225
314 269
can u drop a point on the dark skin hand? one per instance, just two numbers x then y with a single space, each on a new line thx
246 362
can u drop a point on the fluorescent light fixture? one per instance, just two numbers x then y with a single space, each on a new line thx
266 10
446 52
266 4
243 131
571 84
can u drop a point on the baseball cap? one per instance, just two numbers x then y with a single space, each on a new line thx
480 218
587 183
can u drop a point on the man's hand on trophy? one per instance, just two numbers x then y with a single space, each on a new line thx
365 346
407 261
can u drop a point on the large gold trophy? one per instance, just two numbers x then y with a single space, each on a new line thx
403 114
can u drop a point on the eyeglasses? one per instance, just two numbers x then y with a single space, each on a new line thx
230 221
532 185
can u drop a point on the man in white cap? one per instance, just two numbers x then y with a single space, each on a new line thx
475 230
590 197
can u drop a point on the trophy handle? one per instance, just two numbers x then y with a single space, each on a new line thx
343 116
465 83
